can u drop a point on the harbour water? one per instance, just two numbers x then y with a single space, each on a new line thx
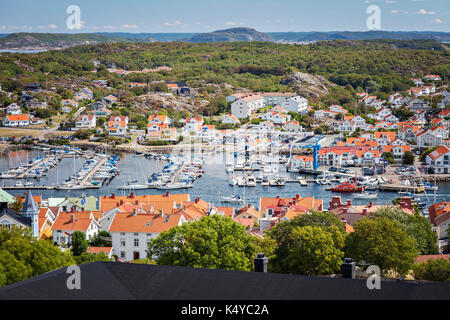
210 187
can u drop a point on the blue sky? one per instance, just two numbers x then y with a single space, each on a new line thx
208 15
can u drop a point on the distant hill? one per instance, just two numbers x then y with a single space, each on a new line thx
231 35
45 41
54 40
366 35
161 37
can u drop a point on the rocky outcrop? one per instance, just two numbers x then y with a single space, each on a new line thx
307 85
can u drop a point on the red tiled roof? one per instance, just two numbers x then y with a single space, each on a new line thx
425 258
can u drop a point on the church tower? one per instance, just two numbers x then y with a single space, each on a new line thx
31 210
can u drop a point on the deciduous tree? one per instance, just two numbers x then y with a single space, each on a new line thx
79 243
381 242
214 242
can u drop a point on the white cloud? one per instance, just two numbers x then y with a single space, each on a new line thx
3 27
423 11
129 26
230 23
437 20
169 24
393 11
108 27
50 26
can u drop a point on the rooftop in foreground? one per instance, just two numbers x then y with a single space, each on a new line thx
114 280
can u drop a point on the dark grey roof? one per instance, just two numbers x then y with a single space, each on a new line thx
25 221
29 207
114 280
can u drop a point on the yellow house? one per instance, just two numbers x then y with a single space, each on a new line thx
47 217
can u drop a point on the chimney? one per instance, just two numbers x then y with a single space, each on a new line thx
113 196
72 209
348 269
167 194
131 195
260 263
364 211
136 202
134 212
297 196
278 197
121 202
72 217
349 203
196 200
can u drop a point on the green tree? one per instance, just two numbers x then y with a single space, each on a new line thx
415 226
389 156
381 242
23 256
79 243
408 157
101 121
14 270
214 242
313 251
282 233
98 240
432 270
87 257
17 205
82 134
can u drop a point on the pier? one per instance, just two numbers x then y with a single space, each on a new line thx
400 187
87 178
36 166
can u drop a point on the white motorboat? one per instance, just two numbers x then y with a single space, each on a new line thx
365 195
251 181
267 169
19 184
241 181
176 185
232 182
234 199
265 181
134 187
277 181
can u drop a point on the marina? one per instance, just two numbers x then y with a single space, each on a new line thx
200 177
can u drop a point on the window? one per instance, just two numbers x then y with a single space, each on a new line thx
122 254
122 233
122 242
136 242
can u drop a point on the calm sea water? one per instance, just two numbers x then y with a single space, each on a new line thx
212 185
21 51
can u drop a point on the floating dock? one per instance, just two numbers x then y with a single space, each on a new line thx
400 187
